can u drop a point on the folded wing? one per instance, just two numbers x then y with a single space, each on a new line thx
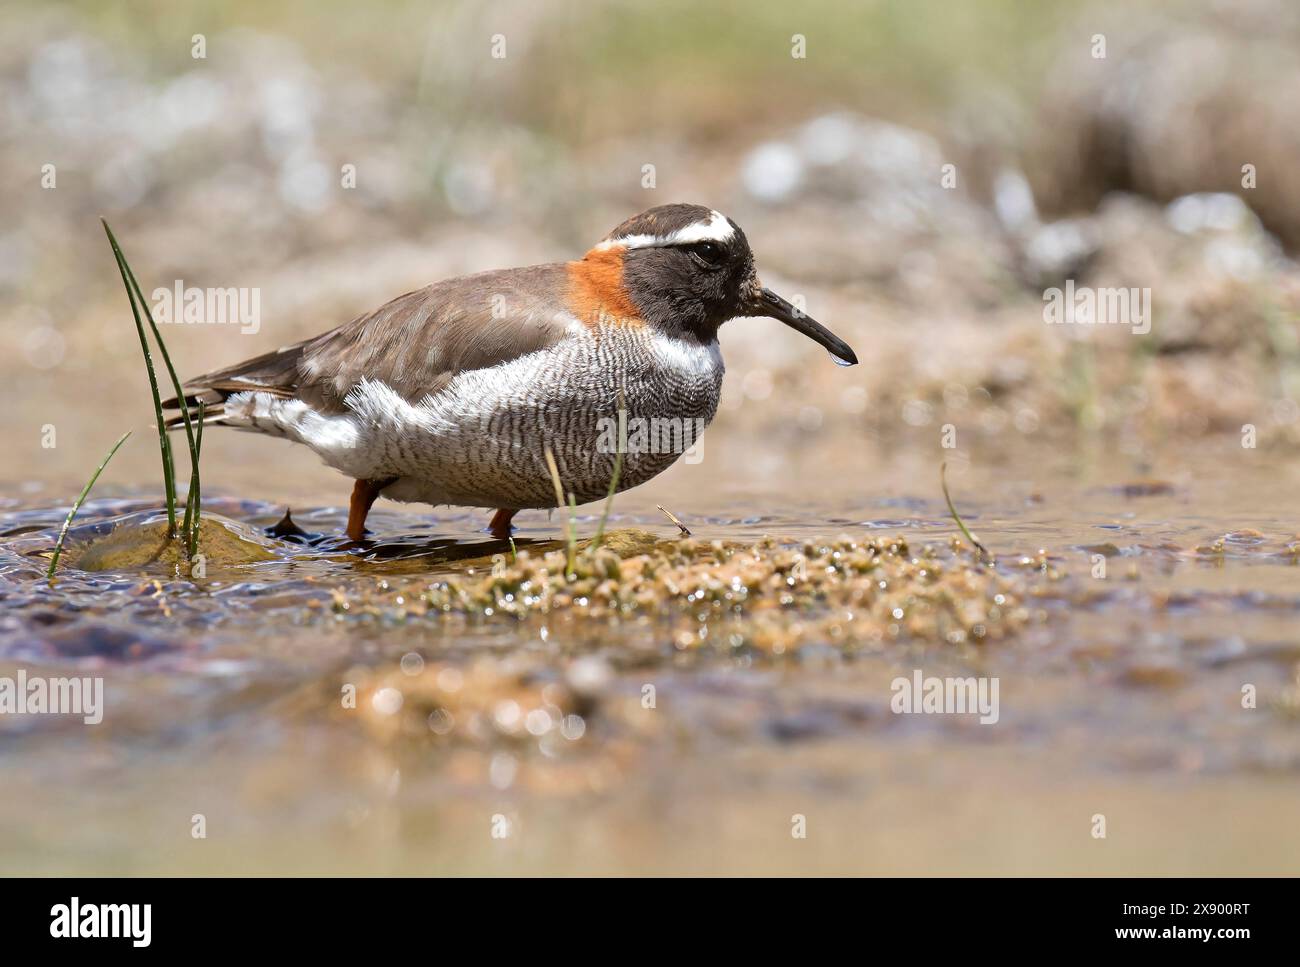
416 344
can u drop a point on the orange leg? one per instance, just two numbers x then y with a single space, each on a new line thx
364 494
500 527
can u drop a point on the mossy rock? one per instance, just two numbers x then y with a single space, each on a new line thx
139 543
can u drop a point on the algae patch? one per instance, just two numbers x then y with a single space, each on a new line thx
850 589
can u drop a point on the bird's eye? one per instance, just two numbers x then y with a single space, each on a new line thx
707 254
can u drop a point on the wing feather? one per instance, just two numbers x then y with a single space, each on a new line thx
415 344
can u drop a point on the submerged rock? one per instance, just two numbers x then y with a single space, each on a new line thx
141 541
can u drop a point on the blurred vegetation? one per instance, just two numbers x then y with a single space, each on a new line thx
590 70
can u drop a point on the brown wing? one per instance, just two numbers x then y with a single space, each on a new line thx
415 344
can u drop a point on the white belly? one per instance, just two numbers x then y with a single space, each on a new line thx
482 440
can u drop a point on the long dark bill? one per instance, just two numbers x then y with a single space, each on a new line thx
771 304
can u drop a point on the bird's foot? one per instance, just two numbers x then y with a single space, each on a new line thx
500 526
364 494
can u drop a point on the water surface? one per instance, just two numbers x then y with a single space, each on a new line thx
1121 696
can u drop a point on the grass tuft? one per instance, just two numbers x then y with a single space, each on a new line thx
164 444
189 531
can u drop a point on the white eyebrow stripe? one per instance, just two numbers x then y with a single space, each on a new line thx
716 229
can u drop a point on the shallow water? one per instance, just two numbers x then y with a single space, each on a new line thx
1121 695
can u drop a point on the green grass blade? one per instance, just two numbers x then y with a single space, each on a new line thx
609 499
572 528
167 359
613 483
194 500
164 446
943 482
76 506
191 494
171 370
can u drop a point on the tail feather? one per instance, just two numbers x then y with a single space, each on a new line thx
212 416
275 373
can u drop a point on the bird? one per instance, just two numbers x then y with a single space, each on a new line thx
480 390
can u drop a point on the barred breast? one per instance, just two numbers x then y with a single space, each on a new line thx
482 440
